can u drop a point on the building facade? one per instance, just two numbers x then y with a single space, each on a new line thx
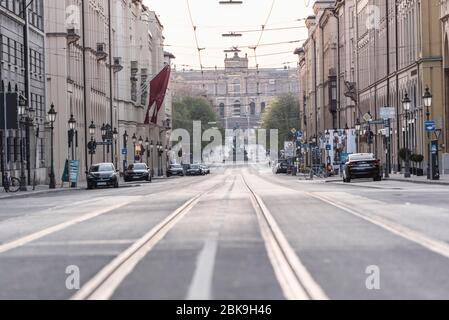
22 73
103 55
240 94
384 50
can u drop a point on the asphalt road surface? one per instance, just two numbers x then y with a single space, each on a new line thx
240 233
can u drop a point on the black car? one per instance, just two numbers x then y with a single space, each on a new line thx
205 169
137 172
280 167
175 170
194 170
102 175
362 165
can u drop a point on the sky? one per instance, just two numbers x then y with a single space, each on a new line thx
213 19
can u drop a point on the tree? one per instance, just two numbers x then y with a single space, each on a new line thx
188 109
283 115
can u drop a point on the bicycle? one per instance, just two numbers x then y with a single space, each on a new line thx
11 184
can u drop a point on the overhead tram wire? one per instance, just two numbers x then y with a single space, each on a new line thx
196 42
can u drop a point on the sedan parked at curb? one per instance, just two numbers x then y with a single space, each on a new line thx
175 170
102 175
362 165
137 172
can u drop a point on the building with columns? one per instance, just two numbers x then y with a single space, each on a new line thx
239 93
22 73
379 51
100 71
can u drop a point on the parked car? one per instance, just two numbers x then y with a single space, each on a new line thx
205 169
175 170
102 175
137 172
194 170
362 165
280 167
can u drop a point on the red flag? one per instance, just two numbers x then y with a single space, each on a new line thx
158 89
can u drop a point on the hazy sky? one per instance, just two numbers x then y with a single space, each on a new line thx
213 19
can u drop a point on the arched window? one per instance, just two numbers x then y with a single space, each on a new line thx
262 107
252 108
222 109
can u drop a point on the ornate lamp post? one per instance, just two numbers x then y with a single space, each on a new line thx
141 148
92 144
21 110
52 118
427 100
152 158
134 138
147 147
358 126
115 137
72 137
406 102
125 146
103 138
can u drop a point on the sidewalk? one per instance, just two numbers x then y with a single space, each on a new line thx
41 189
444 179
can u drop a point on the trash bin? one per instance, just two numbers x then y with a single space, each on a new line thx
294 171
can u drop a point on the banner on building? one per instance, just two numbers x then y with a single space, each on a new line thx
158 89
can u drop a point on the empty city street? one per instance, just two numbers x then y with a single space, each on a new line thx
240 233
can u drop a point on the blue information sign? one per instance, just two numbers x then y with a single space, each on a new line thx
74 171
429 125
124 152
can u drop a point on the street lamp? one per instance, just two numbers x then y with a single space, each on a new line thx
406 103
152 158
92 145
52 118
147 147
115 137
141 146
125 146
427 100
71 141
92 129
134 138
358 126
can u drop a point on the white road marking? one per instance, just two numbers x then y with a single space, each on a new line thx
201 285
82 243
47 231
436 246
103 285
295 280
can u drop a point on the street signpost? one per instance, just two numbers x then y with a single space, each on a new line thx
430 126
387 113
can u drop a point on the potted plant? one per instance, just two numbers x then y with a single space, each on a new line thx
413 161
419 158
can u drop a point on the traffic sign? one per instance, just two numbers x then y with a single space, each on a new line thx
328 147
430 126
367 117
387 113
124 152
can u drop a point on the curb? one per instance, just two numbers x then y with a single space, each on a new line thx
441 183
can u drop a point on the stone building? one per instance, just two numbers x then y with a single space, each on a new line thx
384 49
103 55
240 94
22 71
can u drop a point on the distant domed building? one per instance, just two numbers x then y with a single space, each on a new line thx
240 94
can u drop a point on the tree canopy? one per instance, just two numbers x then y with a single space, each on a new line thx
283 115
